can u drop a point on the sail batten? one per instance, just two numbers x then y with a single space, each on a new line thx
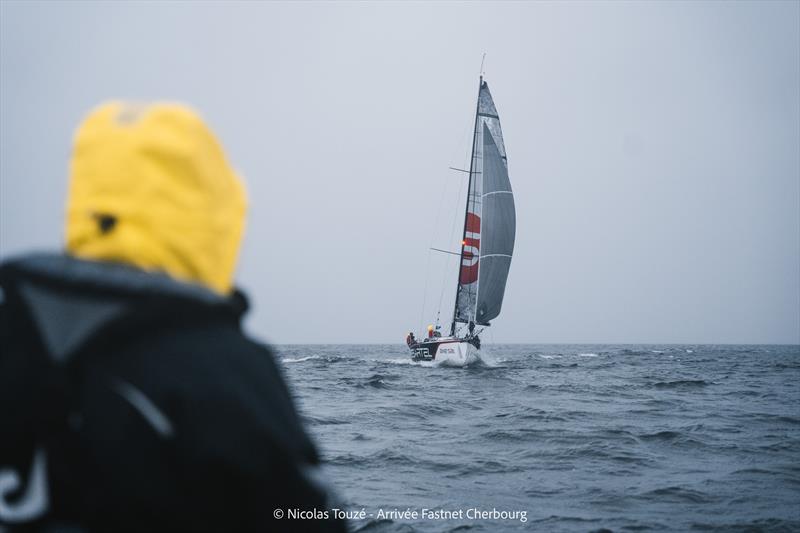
490 221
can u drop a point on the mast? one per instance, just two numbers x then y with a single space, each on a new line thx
466 207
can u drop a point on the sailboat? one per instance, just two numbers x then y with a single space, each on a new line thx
487 245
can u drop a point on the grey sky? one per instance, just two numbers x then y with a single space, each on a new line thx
654 150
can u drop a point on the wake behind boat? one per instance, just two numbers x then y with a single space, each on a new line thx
487 245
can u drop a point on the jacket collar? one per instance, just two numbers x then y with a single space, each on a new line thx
70 300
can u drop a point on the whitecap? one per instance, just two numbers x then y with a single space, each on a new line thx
407 361
486 358
298 359
588 354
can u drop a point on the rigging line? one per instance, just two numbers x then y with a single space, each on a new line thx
424 293
452 236
464 139
469 159
482 60
478 138
445 251
465 144
428 264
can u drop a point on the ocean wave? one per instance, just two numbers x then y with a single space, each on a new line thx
487 360
676 439
677 495
558 518
300 359
682 384
325 421
661 436
754 471
562 365
786 419
488 466
628 351
755 526
406 361
378 381
384 525
387 458
420 411
520 435
374 382
549 417
600 452
323 358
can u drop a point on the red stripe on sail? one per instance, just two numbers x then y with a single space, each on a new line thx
473 223
470 250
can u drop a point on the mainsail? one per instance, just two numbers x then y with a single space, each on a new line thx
490 221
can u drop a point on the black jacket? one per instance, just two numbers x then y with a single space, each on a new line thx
148 405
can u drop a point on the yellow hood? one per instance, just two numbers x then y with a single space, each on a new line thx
150 186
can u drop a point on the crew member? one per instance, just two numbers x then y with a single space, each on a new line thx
410 340
430 331
128 389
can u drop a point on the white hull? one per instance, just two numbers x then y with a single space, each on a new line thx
446 351
457 354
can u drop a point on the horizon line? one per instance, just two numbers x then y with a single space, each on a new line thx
555 343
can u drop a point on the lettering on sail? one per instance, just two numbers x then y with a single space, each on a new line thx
470 254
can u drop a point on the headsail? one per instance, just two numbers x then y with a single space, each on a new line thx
489 223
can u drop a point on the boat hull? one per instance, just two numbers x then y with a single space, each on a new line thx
445 350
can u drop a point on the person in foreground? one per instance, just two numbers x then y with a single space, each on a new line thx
130 399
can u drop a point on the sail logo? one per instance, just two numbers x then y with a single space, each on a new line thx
470 250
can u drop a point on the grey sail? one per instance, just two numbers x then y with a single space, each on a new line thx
489 223
499 227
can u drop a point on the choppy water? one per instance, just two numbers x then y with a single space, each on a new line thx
581 438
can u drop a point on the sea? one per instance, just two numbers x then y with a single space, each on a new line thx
572 438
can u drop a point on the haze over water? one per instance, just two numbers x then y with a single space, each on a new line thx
581 437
